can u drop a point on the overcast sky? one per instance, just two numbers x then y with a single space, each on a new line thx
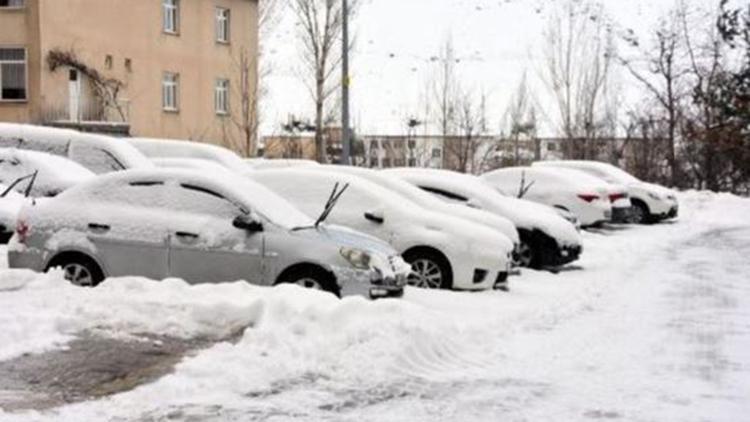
497 40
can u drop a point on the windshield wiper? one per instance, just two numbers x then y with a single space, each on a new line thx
333 199
27 192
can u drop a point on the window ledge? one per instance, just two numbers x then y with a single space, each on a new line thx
171 33
171 110
12 9
9 101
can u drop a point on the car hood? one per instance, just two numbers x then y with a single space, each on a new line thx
346 237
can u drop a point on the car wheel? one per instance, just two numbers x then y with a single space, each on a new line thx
640 213
79 270
429 270
311 278
525 255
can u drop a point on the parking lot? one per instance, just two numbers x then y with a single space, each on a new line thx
650 325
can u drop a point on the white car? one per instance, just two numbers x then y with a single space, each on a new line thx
444 251
98 153
51 174
173 148
585 196
278 163
428 201
10 204
651 203
547 239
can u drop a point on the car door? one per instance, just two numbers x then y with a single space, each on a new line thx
204 246
365 211
128 232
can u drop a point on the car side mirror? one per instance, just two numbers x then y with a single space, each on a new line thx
376 216
247 222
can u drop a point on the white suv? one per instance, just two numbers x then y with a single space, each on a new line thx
651 203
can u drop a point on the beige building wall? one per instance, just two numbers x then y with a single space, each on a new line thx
124 39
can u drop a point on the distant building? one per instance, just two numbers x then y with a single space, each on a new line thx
403 151
155 68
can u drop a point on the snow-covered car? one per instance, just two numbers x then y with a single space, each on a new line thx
201 228
98 153
547 239
651 203
51 174
585 196
174 148
429 201
10 204
444 251
278 163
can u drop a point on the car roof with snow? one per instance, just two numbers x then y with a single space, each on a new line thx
251 196
190 163
545 178
175 148
291 179
606 171
54 173
274 163
59 141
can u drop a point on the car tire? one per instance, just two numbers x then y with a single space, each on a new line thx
640 213
430 270
79 269
311 277
536 251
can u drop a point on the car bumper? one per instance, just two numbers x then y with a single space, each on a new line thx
621 214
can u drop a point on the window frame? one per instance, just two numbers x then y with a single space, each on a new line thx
174 85
222 25
221 96
22 6
25 63
170 21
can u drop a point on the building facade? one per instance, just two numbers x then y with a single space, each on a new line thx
155 68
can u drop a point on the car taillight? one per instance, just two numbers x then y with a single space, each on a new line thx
617 196
588 197
22 231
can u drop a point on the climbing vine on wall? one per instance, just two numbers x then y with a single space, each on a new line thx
105 89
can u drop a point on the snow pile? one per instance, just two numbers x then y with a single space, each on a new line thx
119 306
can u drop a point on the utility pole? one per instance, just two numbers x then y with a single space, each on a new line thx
346 134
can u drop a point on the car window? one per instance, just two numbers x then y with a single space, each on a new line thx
200 200
96 159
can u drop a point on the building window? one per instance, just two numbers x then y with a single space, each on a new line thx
222 25
12 74
437 153
386 162
169 91
221 96
9 4
551 146
412 144
171 21
412 162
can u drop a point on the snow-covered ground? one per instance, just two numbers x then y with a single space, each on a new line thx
653 326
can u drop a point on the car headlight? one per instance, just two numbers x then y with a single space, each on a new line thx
654 196
357 257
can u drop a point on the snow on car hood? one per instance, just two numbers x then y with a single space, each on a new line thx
173 148
10 205
55 173
344 236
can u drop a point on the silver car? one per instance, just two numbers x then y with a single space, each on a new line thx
178 223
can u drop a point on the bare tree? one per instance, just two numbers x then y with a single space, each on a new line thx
578 51
249 85
519 122
660 70
469 150
445 89
320 23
